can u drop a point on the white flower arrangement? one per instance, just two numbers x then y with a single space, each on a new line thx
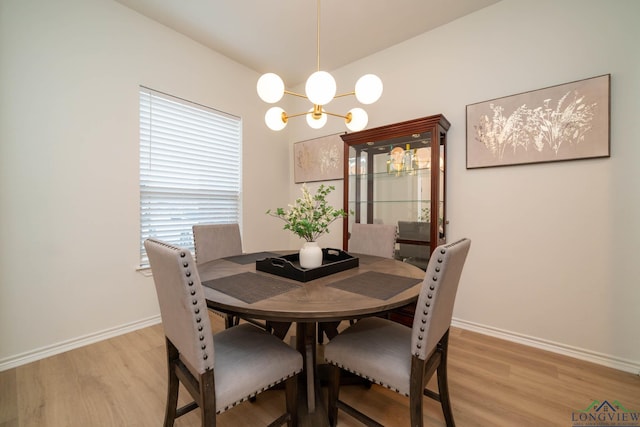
311 215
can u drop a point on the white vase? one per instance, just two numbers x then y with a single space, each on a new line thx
310 255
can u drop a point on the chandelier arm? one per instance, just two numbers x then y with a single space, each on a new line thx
299 114
334 114
345 94
288 92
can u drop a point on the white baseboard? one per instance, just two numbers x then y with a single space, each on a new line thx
61 347
578 353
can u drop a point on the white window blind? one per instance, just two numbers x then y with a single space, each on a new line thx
190 168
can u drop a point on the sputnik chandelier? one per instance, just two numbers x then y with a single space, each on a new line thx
320 89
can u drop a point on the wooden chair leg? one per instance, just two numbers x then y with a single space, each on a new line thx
291 392
330 329
228 321
279 329
172 385
443 384
416 390
415 408
334 390
207 399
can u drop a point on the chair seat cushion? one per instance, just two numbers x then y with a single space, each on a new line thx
376 349
242 371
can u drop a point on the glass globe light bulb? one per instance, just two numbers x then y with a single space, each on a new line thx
359 119
368 89
275 118
320 88
270 88
316 123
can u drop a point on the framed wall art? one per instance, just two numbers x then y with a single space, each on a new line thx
564 122
319 159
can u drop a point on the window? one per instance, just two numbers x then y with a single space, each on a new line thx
190 168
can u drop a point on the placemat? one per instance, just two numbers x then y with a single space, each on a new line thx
376 285
250 288
250 258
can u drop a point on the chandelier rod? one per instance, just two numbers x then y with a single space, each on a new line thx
318 35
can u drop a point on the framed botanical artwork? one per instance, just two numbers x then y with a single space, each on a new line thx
319 159
564 122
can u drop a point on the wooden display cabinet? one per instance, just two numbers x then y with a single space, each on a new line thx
396 174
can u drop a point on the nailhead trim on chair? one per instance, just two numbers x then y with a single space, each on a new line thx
426 311
373 380
244 399
196 310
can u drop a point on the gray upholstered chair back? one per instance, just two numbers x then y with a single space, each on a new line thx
437 296
182 304
373 239
214 241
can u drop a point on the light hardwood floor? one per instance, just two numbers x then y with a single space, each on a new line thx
493 383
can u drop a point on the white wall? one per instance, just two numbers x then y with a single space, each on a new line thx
554 256
69 233
554 248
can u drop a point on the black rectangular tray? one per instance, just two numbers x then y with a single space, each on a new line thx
333 261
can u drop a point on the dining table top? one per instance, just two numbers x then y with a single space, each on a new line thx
376 285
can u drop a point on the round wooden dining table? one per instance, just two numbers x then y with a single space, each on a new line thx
375 286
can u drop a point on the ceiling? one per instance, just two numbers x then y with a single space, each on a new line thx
280 36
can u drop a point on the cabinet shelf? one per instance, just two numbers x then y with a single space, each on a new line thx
360 202
391 175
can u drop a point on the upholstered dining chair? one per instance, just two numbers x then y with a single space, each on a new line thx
215 241
219 371
373 239
400 358
366 239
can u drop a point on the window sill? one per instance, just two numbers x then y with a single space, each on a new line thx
145 271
